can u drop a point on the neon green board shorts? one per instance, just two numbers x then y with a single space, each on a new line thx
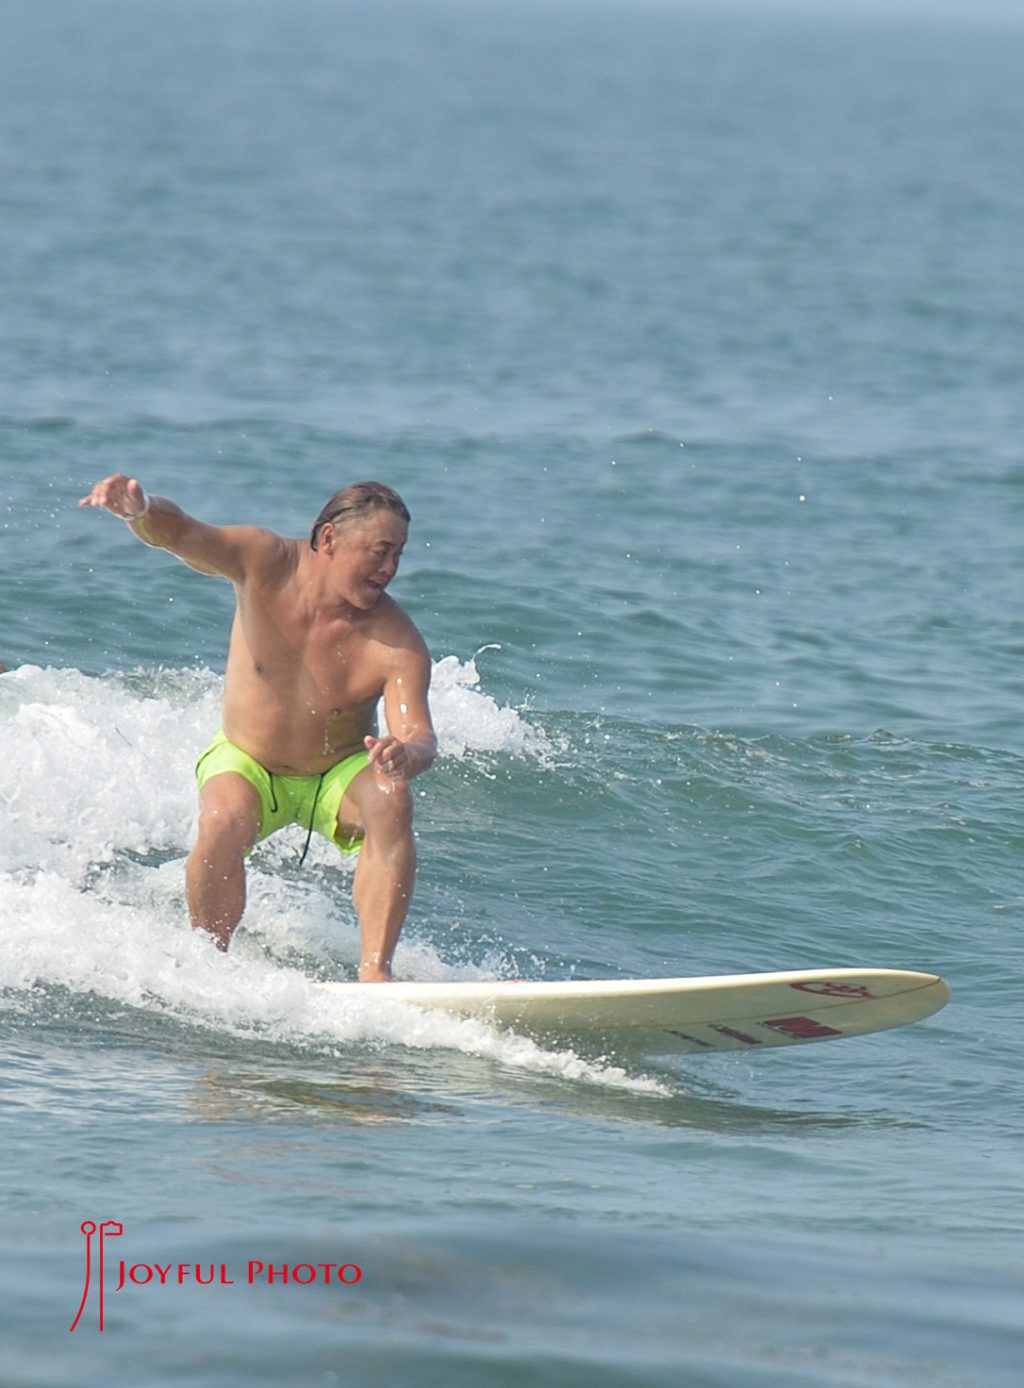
312 801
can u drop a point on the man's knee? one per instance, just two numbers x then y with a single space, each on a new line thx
387 810
229 813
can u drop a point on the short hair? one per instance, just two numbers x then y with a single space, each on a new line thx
354 503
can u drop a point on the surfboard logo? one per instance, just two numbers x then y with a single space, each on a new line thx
801 1028
831 988
735 1035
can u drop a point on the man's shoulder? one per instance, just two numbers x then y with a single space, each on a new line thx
393 625
269 558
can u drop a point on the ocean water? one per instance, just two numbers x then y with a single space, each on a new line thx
692 337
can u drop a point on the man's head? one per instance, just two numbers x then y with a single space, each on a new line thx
355 504
360 534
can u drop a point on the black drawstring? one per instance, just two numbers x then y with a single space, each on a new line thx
312 815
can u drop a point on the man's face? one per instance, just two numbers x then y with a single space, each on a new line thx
365 554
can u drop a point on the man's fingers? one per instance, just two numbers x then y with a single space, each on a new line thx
386 753
379 752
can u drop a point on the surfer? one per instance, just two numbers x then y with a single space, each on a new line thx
315 645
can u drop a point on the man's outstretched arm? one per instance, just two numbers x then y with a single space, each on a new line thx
222 551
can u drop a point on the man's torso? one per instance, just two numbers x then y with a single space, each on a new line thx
302 686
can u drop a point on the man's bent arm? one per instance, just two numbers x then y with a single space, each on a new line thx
410 746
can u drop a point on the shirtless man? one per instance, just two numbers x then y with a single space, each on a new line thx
316 642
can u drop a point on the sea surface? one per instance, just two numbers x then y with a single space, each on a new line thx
692 336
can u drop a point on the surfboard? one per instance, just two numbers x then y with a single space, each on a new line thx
682 1016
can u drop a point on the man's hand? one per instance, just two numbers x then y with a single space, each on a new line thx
120 495
391 757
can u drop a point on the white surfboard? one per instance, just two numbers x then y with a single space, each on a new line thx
666 1016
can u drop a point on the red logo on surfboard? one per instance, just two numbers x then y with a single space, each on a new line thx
832 988
801 1028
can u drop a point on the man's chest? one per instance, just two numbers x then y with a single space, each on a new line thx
340 659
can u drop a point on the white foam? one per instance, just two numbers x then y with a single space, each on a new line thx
468 720
92 764
97 811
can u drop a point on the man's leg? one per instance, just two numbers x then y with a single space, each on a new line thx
229 820
386 869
